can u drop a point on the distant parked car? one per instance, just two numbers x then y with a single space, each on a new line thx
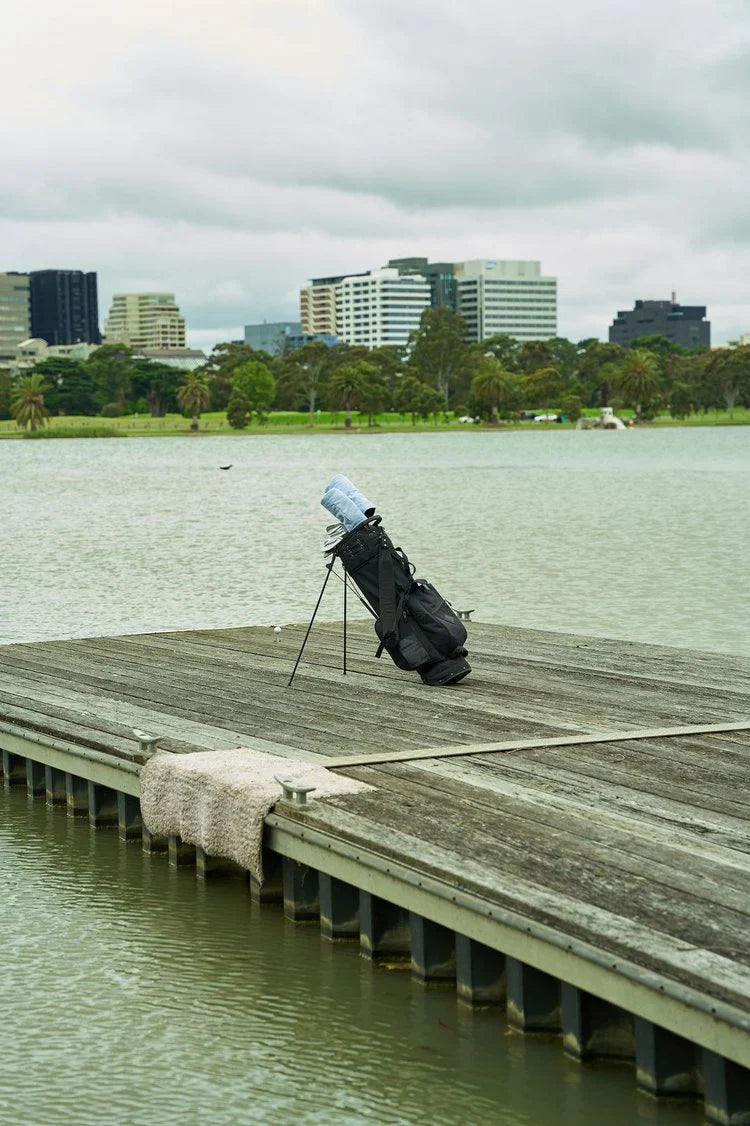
547 418
467 418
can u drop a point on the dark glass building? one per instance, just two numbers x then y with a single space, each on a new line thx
64 307
685 325
440 275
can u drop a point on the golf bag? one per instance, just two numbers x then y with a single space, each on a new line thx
416 627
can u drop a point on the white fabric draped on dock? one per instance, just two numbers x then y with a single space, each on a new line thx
218 800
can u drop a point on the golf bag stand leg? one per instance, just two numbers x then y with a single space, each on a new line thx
329 568
346 585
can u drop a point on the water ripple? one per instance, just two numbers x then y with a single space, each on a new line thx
133 994
632 535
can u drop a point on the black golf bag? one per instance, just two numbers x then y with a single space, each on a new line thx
416 627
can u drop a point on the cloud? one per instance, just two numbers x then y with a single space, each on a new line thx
229 152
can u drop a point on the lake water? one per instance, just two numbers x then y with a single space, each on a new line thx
638 534
133 994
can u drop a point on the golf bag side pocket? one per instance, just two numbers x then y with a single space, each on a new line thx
427 630
434 617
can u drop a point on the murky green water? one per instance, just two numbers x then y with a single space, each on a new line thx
132 994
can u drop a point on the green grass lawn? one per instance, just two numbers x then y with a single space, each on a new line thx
296 422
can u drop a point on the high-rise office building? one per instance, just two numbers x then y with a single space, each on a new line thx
494 296
685 325
440 275
381 308
375 309
145 320
498 297
15 314
64 307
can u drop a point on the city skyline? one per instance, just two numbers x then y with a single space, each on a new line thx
179 335
610 150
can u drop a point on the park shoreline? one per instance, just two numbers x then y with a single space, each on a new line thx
296 431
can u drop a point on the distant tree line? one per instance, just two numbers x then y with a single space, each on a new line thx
437 373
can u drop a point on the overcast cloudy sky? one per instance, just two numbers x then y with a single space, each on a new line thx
229 149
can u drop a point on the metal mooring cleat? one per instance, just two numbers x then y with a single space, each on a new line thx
464 615
292 792
147 742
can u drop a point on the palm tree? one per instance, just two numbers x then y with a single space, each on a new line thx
27 402
638 377
490 385
348 385
193 396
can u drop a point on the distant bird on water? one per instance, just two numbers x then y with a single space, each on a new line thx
226 466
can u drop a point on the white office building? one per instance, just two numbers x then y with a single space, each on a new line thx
381 308
375 309
497 296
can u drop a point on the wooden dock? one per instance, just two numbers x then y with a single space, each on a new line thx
599 890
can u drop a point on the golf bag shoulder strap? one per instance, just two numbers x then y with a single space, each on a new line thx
389 604
392 602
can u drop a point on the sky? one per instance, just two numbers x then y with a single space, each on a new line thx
227 150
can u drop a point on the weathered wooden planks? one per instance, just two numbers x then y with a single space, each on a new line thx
640 848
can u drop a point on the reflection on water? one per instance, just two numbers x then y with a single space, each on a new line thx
134 994
131 994
639 535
